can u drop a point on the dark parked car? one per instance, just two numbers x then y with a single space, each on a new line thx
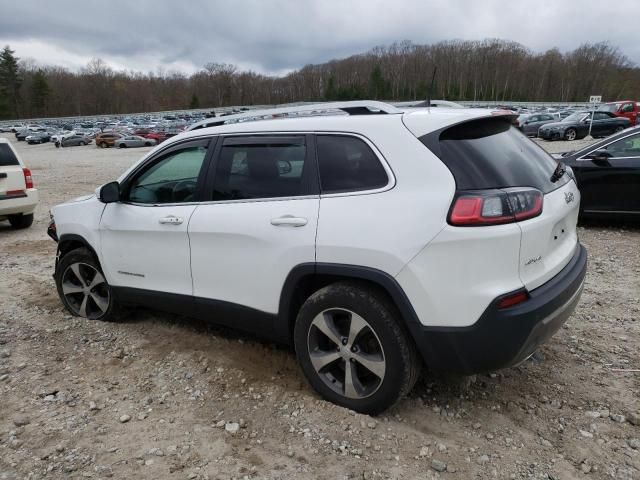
576 126
608 175
74 141
37 138
529 123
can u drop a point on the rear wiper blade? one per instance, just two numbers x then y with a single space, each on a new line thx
560 170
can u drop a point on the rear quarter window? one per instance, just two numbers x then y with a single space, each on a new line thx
347 164
7 157
491 153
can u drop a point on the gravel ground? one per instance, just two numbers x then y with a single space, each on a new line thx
159 396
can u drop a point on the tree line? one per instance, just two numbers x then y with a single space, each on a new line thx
486 70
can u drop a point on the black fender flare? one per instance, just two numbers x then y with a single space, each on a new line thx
308 271
69 241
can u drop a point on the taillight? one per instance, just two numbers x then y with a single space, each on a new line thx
495 207
28 179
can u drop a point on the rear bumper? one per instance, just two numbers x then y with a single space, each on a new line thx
19 205
504 337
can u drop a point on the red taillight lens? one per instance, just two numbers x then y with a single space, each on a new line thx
495 207
28 179
513 299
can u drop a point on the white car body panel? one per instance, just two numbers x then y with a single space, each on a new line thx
453 280
144 253
238 256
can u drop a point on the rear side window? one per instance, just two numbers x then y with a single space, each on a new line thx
255 170
491 153
7 157
348 164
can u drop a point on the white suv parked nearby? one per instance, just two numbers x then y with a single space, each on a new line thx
373 239
18 197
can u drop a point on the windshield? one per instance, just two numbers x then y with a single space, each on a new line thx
575 117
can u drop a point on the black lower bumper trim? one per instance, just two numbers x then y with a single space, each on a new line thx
504 337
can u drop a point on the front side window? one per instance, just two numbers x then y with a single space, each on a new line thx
627 147
260 168
348 164
172 179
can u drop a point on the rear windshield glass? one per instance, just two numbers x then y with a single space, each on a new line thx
7 156
491 153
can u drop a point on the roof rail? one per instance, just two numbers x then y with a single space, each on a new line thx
360 107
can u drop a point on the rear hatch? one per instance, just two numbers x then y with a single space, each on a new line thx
514 181
12 182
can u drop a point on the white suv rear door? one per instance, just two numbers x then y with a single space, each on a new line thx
144 240
260 223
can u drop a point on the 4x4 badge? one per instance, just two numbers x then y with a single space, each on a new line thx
568 197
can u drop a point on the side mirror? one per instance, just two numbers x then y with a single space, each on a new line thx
109 193
599 155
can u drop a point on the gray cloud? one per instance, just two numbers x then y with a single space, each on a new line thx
274 36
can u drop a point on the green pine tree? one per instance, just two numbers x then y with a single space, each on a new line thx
40 92
330 92
379 88
10 82
195 102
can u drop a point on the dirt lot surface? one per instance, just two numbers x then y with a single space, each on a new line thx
158 396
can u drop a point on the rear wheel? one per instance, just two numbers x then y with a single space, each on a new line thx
21 221
122 145
83 143
82 287
352 349
618 129
103 145
570 134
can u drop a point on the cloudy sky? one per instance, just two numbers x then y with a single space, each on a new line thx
276 36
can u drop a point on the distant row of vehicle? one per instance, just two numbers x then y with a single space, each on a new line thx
574 126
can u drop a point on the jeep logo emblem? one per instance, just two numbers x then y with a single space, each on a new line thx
568 197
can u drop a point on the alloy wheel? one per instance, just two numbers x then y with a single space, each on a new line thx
571 135
346 353
85 290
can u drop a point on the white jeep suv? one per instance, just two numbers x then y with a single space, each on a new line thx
18 196
373 239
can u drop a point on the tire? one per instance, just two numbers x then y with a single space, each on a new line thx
618 129
76 272
570 134
122 145
57 144
148 144
21 221
103 145
83 143
381 342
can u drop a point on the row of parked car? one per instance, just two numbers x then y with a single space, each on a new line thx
599 123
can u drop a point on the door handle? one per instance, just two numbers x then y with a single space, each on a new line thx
171 220
289 221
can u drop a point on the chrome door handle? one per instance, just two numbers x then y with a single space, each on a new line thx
289 221
171 220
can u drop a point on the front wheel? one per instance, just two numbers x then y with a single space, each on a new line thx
103 145
618 129
353 350
82 287
570 134
122 145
